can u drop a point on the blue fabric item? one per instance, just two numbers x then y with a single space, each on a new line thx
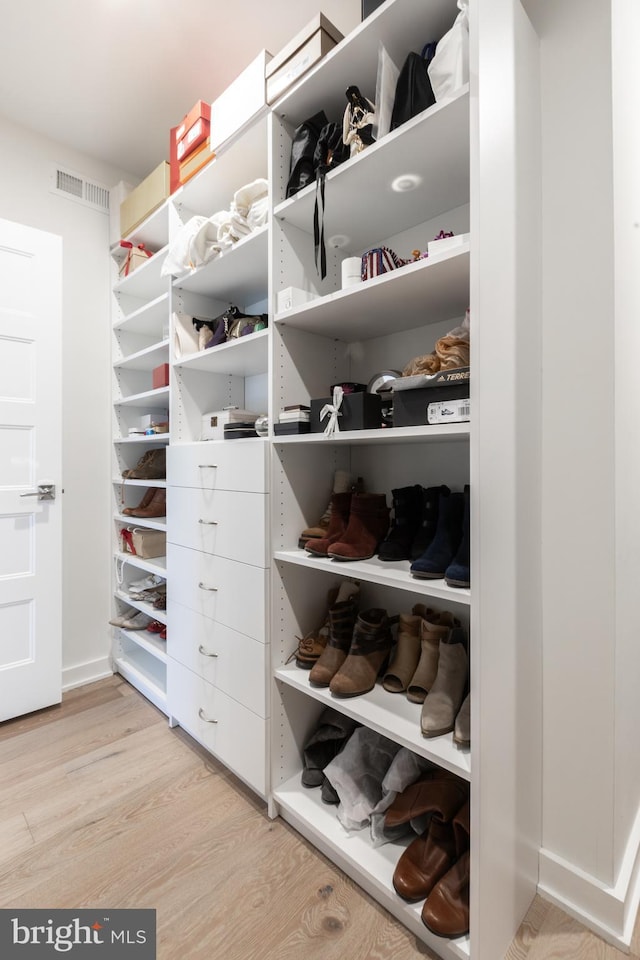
458 573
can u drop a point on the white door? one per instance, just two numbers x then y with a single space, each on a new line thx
30 454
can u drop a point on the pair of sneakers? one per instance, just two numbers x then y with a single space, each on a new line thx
131 620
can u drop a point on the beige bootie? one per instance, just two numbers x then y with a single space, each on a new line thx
434 627
445 697
462 728
406 654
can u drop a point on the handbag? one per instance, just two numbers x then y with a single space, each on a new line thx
144 543
230 325
330 151
414 92
380 260
302 169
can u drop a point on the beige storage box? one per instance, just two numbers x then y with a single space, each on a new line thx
310 45
241 101
147 197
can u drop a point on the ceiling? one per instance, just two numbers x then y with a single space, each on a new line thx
110 77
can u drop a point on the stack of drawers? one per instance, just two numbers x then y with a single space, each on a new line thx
217 569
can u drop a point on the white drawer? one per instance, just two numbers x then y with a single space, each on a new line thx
225 523
219 465
234 663
224 590
233 734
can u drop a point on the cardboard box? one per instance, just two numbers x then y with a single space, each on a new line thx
359 411
134 258
307 47
241 101
449 411
292 297
160 376
116 196
200 157
410 407
200 110
193 138
147 197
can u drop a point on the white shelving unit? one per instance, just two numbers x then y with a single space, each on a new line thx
140 313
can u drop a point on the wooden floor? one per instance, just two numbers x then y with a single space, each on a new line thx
102 805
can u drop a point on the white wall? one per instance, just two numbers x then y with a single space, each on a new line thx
26 162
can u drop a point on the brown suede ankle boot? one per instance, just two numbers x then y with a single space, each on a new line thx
340 508
368 652
342 617
368 523
153 504
434 627
406 654
342 483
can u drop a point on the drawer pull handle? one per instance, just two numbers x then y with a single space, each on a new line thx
205 653
204 717
205 587
209 523
207 466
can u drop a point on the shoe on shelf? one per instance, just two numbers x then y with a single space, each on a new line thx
406 654
150 582
342 618
325 743
428 519
138 622
155 626
338 519
462 728
160 602
440 709
153 504
150 466
433 628
441 551
311 646
446 909
368 523
407 515
458 573
117 621
342 483
368 653
163 634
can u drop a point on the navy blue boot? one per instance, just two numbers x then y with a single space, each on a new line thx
439 554
429 519
458 573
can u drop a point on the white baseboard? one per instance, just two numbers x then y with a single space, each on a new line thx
608 911
83 673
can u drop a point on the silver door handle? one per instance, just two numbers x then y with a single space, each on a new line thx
207 466
203 586
209 523
45 491
204 717
205 653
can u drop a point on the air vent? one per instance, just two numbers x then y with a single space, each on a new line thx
73 186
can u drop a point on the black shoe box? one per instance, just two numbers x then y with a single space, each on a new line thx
358 411
410 406
292 428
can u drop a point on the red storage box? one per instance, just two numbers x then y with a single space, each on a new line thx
160 376
193 129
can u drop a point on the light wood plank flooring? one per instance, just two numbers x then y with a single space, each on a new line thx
102 805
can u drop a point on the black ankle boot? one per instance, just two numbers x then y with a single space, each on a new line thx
442 549
407 513
458 573
429 519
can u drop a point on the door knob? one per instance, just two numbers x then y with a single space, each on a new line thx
45 491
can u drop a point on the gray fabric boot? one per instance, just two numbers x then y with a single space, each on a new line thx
445 698
462 729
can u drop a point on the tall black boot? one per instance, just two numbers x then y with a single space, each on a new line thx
407 514
442 549
429 519
458 573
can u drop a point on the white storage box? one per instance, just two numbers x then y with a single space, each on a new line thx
242 99
436 247
213 423
292 297
307 47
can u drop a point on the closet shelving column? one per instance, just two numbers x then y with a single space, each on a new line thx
140 312
349 335
218 557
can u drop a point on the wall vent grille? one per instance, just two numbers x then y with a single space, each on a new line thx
73 186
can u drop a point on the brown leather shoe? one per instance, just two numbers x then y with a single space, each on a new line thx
338 520
368 524
153 504
150 466
438 791
425 861
342 617
446 909
368 652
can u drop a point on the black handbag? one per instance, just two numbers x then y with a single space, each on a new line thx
302 169
413 89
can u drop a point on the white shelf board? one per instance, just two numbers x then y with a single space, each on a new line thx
153 232
238 162
400 27
145 283
148 319
388 574
440 433
145 359
371 867
152 438
139 483
137 667
149 399
426 291
243 357
238 274
389 714
151 565
360 201
141 521
147 641
147 608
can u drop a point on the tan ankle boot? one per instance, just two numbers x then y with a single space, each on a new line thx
434 627
406 654
445 697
